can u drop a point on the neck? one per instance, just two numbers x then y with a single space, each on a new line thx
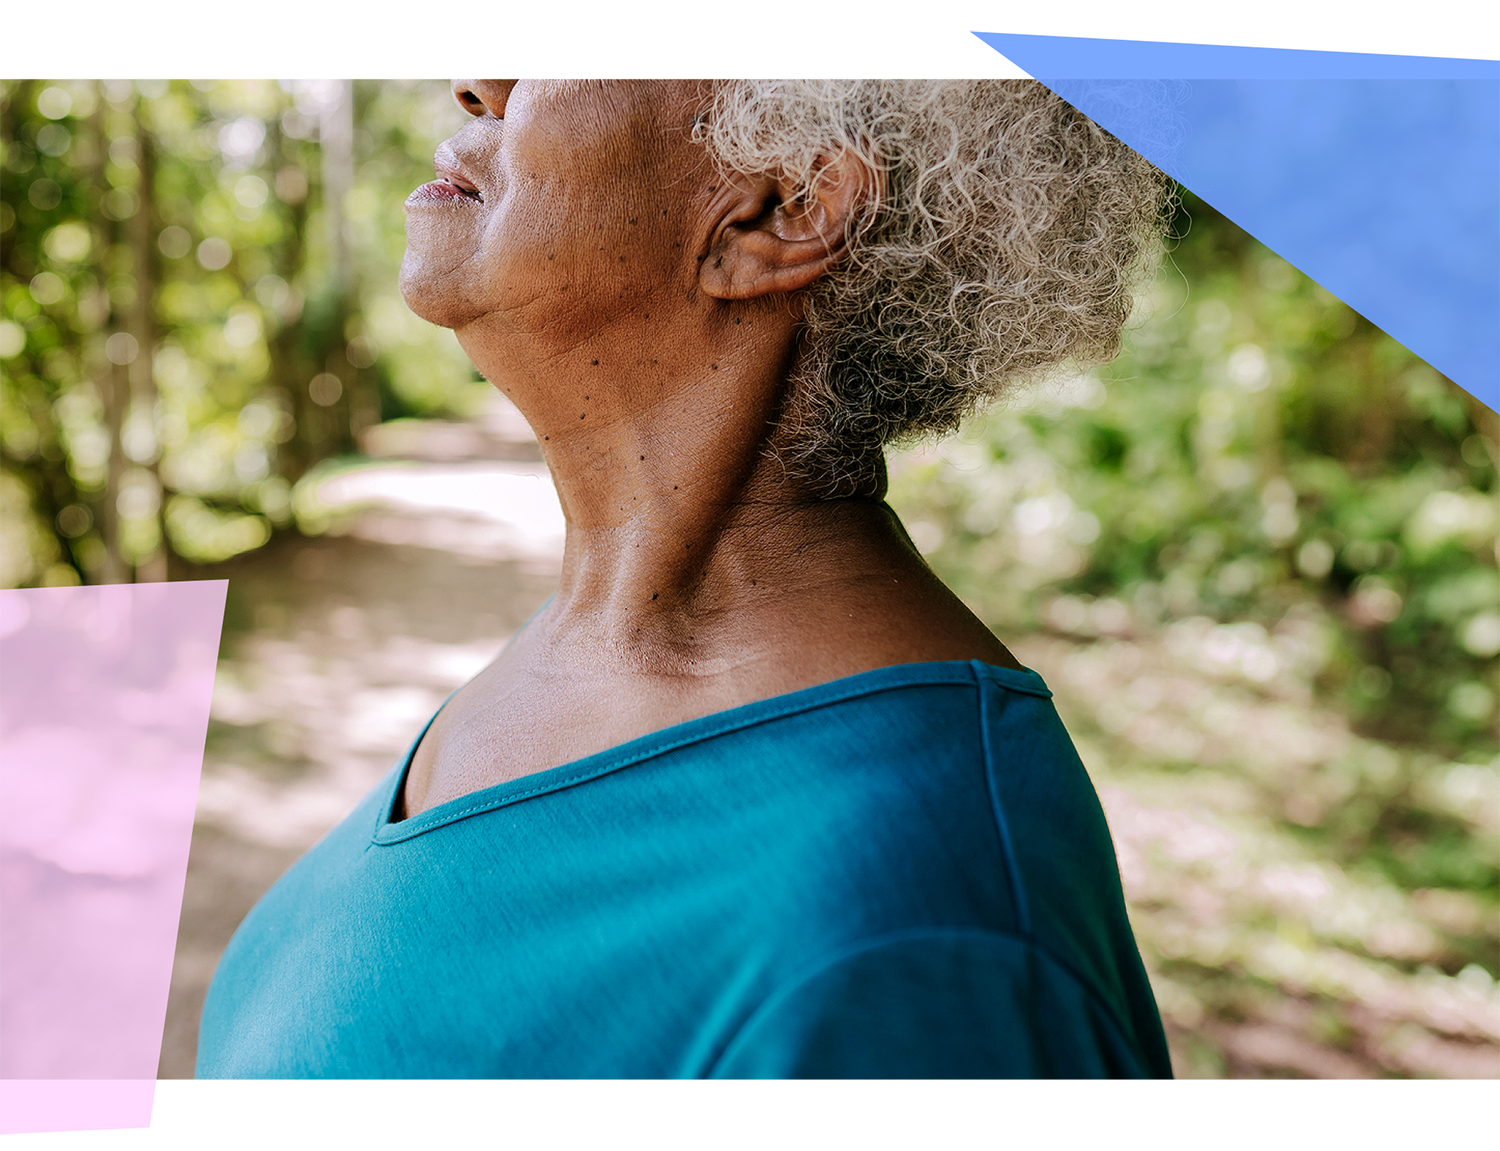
683 525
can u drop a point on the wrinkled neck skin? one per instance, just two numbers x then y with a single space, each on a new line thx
689 551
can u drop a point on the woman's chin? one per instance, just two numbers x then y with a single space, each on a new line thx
431 294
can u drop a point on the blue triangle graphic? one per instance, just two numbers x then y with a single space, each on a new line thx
1383 191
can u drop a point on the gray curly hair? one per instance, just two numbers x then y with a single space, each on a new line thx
1008 238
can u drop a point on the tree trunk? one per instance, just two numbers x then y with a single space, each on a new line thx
109 377
143 227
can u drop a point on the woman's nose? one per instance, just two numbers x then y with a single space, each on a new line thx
478 97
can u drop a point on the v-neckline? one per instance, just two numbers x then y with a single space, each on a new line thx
663 740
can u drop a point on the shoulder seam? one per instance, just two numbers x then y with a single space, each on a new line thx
997 810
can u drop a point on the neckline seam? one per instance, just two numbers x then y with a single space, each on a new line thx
958 673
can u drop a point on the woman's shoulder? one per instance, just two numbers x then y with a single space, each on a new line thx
925 725
944 784
948 1004
958 802
929 803
888 735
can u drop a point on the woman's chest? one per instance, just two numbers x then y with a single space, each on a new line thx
514 722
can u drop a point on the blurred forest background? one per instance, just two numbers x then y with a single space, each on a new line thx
1255 557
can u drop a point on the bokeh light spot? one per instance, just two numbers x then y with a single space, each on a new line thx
44 194
53 139
54 103
361 352
123 151
214 253
120 204
241 330
74 520
325 389
1315 558
68 243
1471 700
240 139
12 339
251 191
121 348
1481 635
174 242
47 288
256 420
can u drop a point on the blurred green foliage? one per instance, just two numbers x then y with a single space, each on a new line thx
1260 453
1256 557
199 305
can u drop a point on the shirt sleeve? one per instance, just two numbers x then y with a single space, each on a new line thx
935 1005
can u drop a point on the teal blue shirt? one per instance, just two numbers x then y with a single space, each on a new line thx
904 873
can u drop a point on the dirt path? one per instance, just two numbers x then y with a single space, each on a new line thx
336 650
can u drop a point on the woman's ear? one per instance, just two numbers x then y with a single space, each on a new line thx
776 241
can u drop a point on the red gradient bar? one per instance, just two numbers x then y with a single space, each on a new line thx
888 1117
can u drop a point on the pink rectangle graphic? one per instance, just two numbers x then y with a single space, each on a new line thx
30 1105
104 700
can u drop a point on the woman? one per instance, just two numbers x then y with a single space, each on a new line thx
754 794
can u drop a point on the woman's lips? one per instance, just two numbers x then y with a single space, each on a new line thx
447 170
443 190
453 182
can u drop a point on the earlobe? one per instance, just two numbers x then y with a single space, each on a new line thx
780 238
